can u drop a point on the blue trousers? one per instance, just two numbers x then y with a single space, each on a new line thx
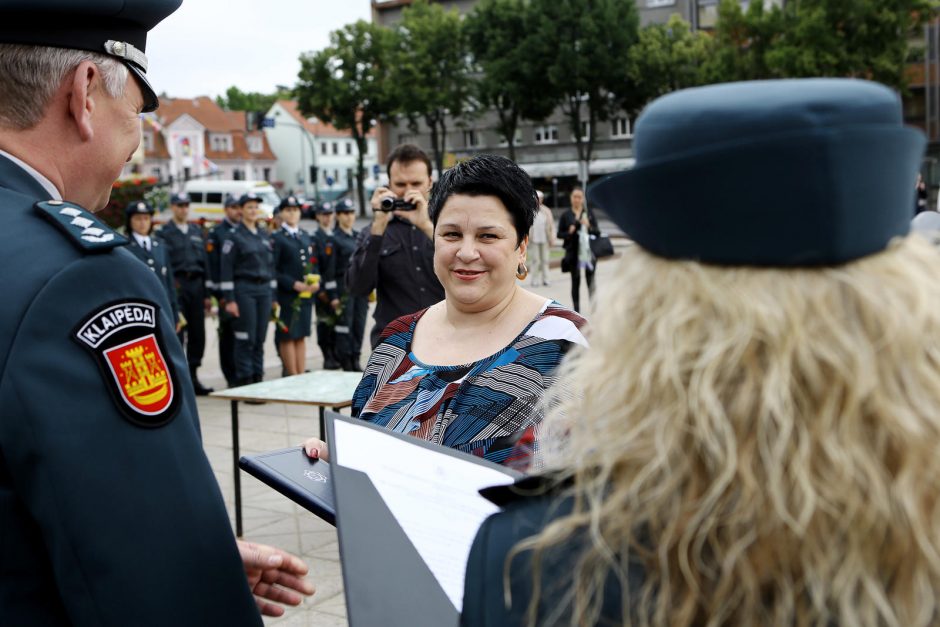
251 328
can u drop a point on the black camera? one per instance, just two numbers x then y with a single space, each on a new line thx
390 203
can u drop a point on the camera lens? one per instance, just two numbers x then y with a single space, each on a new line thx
387 203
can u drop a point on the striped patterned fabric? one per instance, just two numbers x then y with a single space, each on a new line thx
489 408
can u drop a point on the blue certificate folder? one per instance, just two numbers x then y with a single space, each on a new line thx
307 482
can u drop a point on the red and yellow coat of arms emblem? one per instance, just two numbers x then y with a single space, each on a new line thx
141 374
125 338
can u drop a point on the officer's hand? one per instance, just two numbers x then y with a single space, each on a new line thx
572 229
334 303
316 449
419 215
274 575
232 308
380 218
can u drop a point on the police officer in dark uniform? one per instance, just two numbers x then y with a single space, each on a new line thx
109 510
139 227
221 232
295 265
351 327
327 301
247 282
186 246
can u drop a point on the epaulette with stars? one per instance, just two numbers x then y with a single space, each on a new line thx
84 230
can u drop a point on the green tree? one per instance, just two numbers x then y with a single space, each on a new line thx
238 100
666 57
511 77
856 38
431 72
586 45
348 85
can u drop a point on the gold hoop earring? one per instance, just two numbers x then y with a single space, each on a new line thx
521 271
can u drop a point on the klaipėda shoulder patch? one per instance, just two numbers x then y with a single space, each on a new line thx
124 336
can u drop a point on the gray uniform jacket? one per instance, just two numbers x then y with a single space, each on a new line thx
109 511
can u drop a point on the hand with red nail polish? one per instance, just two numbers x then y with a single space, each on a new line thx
316 449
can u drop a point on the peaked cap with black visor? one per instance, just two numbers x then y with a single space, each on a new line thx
117 28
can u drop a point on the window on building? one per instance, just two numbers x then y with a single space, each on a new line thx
254 143
323 149
187 174
148 141
470 138
157 173
349 146
546 134
267 174
335 148
620 128
585 131
237 175
220 143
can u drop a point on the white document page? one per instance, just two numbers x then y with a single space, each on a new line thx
434 497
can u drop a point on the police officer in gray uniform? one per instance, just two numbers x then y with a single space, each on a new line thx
219 233
150 250
185 244
109 510
246 270
327 299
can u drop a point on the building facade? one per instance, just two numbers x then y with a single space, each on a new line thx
190 138
315 160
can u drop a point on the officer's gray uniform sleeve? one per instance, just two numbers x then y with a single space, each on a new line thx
227 268
363 272
132 518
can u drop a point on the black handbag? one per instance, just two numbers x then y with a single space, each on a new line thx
601 246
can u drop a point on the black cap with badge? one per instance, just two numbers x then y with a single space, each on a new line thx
110 27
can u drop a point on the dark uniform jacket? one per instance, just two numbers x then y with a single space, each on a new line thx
294 258
326 257
187 251
570 240
109 510
345 248
400 266
246 256
529 506
217 236
159 263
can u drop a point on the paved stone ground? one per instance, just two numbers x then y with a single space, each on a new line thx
271 518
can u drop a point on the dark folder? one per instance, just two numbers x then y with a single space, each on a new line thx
308 482
386 581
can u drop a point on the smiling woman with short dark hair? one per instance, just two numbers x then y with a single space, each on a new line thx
469 371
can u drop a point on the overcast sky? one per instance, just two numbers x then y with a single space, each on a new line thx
208 45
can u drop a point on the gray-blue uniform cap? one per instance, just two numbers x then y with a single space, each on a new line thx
799 172
117 28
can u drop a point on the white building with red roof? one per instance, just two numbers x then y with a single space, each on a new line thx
301 143
195 138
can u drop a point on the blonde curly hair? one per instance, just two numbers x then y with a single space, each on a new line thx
764 442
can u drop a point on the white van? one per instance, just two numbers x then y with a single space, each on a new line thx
208 197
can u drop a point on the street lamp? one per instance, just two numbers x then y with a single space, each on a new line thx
305 132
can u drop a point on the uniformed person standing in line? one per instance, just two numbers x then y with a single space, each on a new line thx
109 510
148 249
247 283
328 297
186 247
221 232
352 324
294 261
